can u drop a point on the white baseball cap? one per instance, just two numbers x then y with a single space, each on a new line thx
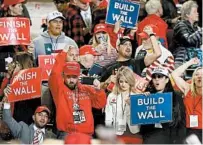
160 70
54 15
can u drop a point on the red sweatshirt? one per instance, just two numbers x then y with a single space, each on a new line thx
62 95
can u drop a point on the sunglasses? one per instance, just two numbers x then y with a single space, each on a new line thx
159 76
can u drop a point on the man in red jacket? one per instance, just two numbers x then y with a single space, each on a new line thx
74 101
154 11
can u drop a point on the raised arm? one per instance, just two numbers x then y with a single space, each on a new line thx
149 59
56 79
177 73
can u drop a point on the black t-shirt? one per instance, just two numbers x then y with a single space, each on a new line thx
137 65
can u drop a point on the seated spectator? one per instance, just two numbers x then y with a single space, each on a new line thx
124 48
154 11
118 108
186 33
166 59
102 44
170 132
192 96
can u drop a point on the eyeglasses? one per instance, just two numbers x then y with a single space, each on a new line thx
159 76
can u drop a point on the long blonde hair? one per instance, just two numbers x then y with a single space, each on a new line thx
127 73
193 86
96 43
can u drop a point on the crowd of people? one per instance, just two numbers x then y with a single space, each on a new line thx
93 75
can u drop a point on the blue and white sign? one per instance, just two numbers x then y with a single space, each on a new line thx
156 108
123 10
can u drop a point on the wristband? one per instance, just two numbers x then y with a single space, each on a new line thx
151 34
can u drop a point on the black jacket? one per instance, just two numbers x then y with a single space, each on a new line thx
186 35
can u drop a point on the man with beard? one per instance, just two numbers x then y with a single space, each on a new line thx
73 101
124 48
33 134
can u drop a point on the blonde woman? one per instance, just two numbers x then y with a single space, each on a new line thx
192 96
118 109
102 44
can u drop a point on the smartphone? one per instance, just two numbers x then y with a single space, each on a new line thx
96 69
87 80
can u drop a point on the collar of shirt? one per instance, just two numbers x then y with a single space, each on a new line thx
35 128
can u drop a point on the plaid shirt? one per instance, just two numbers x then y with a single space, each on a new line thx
74 24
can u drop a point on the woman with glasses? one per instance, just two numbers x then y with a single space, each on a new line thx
192 96
171 132
101 43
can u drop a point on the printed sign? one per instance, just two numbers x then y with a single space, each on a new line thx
46 62
156 108
123 10
14 31
26 85
140 83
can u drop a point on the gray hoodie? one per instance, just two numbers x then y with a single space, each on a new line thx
45 44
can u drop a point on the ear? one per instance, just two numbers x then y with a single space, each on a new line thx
167 80
33 117
10 7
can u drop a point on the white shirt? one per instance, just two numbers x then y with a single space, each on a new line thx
87 17
116 112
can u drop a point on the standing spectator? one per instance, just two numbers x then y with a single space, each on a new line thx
124 48
21 61
102 44
28 134
170 14
73 100
154 11
166 59
11 9
52 40
186 32
171 132
78 22
192 96
118 109
88 57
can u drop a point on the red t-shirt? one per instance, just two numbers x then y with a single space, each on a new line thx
193 106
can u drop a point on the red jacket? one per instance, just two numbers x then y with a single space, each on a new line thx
155 20
62 95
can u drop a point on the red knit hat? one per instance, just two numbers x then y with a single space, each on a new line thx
12 2
145 35
71 68
88 49
100 28
77 138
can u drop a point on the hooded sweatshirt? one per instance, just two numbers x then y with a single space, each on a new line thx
45 44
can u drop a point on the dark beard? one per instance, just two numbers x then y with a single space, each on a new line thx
71 87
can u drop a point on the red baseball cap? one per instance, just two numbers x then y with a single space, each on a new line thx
100 28
71 68
85 1
88 49
145 35
12 2
77 138
43 108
